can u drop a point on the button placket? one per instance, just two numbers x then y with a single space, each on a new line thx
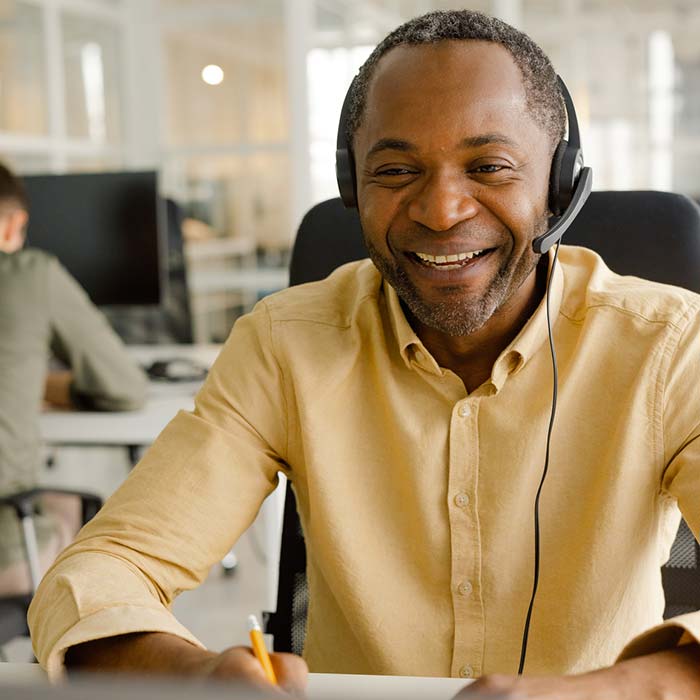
466 544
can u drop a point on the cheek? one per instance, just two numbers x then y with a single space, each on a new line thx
523 215
376 218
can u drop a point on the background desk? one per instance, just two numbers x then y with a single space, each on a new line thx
135 430
322 686
131 428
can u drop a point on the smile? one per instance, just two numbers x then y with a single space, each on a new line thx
449 262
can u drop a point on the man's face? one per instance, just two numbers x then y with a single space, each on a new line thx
452 181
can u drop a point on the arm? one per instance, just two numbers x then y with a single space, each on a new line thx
181 509
165 653
670 674
104 376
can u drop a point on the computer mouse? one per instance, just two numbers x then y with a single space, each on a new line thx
176 369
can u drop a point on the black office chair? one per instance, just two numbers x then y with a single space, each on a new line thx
654 235
13 609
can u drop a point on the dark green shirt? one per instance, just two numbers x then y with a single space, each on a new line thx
43 312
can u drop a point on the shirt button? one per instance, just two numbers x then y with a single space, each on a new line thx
464 410
462 500
466 672
464 588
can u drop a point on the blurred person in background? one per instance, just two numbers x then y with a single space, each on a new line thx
44 312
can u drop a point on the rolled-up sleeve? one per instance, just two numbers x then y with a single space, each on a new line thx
195 491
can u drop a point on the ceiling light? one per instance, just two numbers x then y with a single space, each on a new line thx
212 74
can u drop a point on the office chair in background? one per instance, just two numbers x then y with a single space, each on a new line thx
13 609
653 235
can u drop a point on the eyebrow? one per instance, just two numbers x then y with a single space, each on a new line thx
486 139
390 144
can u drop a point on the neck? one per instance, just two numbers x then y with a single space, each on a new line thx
471 357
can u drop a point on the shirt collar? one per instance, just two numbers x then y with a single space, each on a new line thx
410 345
534 333
510 361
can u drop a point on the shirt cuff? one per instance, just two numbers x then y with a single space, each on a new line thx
675 632
123 619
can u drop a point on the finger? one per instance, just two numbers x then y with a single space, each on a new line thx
291 671
494 686
240 663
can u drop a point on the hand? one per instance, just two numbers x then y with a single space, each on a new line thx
162 653
240 663
57 388
501 687
670 674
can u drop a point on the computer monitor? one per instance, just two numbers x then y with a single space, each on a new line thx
106 229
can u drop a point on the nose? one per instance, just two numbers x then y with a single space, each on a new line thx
444 201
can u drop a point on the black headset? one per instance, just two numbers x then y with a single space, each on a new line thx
569 181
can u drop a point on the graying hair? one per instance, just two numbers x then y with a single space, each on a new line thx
544 100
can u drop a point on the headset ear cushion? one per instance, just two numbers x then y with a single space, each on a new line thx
555 203
345 174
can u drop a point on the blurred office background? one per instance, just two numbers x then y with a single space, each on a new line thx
235 104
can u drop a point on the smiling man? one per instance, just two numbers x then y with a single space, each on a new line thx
408 399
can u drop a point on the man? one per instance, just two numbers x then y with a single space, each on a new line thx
410 410
43 310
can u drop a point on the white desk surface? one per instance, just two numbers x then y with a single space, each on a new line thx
252 280
321 685
139 428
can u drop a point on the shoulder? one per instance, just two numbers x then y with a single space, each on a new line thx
334 301
28 269
27 261
589 286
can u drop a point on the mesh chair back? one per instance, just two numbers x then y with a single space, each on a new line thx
653 235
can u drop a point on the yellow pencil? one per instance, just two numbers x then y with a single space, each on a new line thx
259 648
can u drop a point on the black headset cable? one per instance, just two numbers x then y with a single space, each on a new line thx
555 377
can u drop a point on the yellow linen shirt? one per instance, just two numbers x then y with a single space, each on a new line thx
416 499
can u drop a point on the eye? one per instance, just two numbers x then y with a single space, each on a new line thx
394 172
489 168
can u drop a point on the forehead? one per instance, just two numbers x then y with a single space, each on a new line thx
449 89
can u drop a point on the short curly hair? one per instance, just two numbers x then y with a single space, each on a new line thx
544 99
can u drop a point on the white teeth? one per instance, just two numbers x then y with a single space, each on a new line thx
441 259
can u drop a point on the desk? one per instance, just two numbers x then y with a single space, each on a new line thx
322 686
131 428
136 429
